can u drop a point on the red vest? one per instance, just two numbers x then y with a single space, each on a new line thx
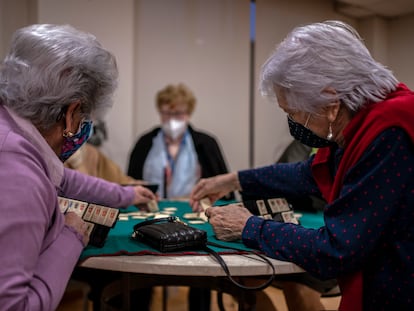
397 110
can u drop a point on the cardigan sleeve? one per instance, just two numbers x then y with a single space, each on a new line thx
38 251
76 185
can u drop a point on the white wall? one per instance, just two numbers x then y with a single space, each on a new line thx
205 45
375 33
400 49
13 15
112 22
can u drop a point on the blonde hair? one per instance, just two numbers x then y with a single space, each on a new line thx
173 95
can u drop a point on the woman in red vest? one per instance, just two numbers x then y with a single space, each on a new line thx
339 99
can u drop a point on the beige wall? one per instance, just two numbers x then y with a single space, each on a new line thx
375 33
400 49
13 15
205 45
112 22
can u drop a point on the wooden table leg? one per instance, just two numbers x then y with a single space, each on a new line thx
164 298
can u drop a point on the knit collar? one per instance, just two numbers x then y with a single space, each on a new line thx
31 133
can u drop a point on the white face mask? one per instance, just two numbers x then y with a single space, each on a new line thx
174 128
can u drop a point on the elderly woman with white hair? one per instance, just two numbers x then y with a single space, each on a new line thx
53 82
339 99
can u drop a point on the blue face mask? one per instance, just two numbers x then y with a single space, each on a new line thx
74 142
306 136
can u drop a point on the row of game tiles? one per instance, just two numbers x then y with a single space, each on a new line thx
94 213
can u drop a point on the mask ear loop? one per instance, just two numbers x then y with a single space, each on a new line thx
330 133
60 116
307 121
70 134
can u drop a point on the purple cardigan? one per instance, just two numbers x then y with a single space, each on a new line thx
38 252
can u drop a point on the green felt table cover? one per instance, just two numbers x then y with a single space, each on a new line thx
119 241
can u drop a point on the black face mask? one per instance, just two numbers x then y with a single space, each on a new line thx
306 136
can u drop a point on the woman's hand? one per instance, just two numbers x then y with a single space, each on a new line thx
213 188
143 195
76 223
228 221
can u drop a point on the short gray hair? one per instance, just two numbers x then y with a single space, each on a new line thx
319 56
50 66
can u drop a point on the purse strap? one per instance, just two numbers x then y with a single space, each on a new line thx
156 220
226 269
217 256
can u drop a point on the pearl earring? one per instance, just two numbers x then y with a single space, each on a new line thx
67 134
330 134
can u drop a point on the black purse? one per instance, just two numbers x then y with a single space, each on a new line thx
169 234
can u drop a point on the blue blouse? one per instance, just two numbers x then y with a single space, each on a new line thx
370 226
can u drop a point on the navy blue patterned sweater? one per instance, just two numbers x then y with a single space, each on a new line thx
369 226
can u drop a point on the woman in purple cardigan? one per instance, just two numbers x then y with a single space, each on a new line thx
53 82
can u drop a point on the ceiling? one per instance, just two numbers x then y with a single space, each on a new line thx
368 8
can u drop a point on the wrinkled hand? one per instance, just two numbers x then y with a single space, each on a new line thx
75 222
143 195
213 188
228 221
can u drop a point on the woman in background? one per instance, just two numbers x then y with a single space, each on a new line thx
175 156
